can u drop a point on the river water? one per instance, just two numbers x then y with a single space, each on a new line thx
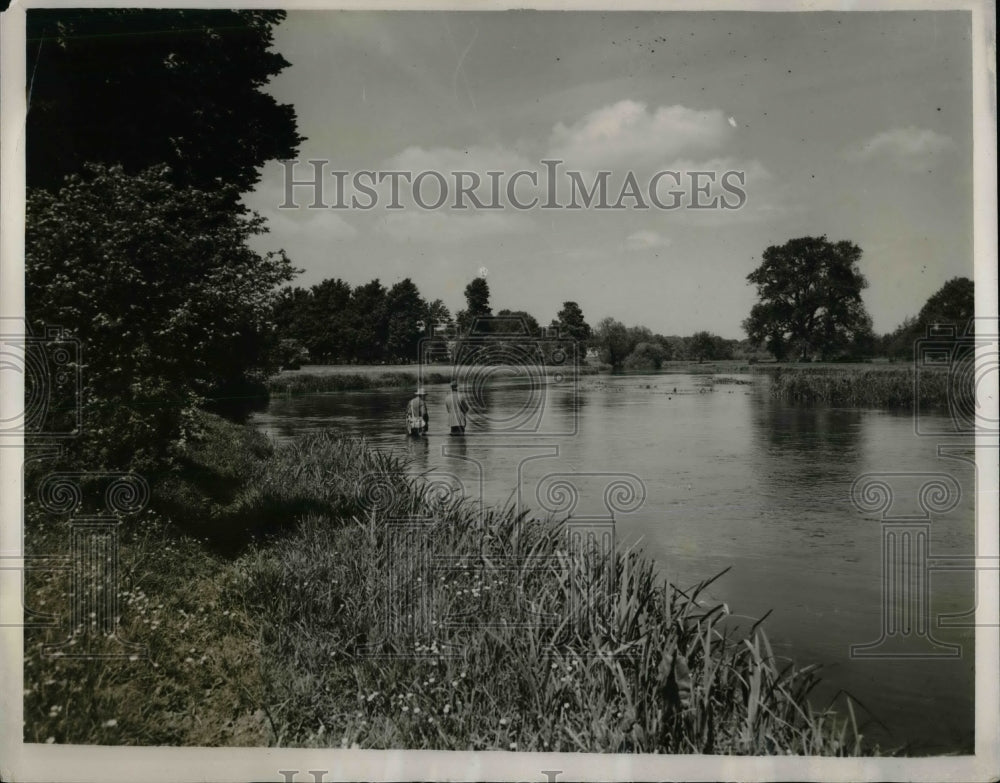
707 476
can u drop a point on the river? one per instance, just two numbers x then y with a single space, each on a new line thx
722 476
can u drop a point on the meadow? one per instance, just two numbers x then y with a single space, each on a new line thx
277 606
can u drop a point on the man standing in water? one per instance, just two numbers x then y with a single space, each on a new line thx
416 415
457 407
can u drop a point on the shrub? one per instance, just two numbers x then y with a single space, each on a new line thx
158 284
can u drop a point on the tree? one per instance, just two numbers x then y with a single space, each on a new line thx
951 305
406 321
437 316
701 346
328 321
477 304
666 346
516 322
810 298
439 325
571 324
613 342
142 87
170 305
369 322
954 304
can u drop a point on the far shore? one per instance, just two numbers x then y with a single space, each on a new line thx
877 384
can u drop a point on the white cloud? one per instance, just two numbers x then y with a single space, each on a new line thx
908 147
645 240
451 228
630 133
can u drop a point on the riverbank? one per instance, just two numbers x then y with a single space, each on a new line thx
264 592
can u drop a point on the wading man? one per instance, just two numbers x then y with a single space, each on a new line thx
457 407
416 415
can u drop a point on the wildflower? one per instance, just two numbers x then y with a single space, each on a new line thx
503 721
50 740
110 724
447 708
513 746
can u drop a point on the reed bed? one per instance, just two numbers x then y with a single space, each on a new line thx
870 388
323 629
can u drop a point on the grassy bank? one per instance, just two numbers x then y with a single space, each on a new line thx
304 382
293 637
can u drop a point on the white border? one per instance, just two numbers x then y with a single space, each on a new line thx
34 762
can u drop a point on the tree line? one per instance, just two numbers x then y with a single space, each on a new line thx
809 308
334 323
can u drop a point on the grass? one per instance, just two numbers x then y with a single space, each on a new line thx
293 638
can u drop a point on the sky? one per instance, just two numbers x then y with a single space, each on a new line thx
857 126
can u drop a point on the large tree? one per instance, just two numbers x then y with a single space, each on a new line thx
141 87
810 298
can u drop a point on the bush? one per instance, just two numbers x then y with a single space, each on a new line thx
646 356
169 303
